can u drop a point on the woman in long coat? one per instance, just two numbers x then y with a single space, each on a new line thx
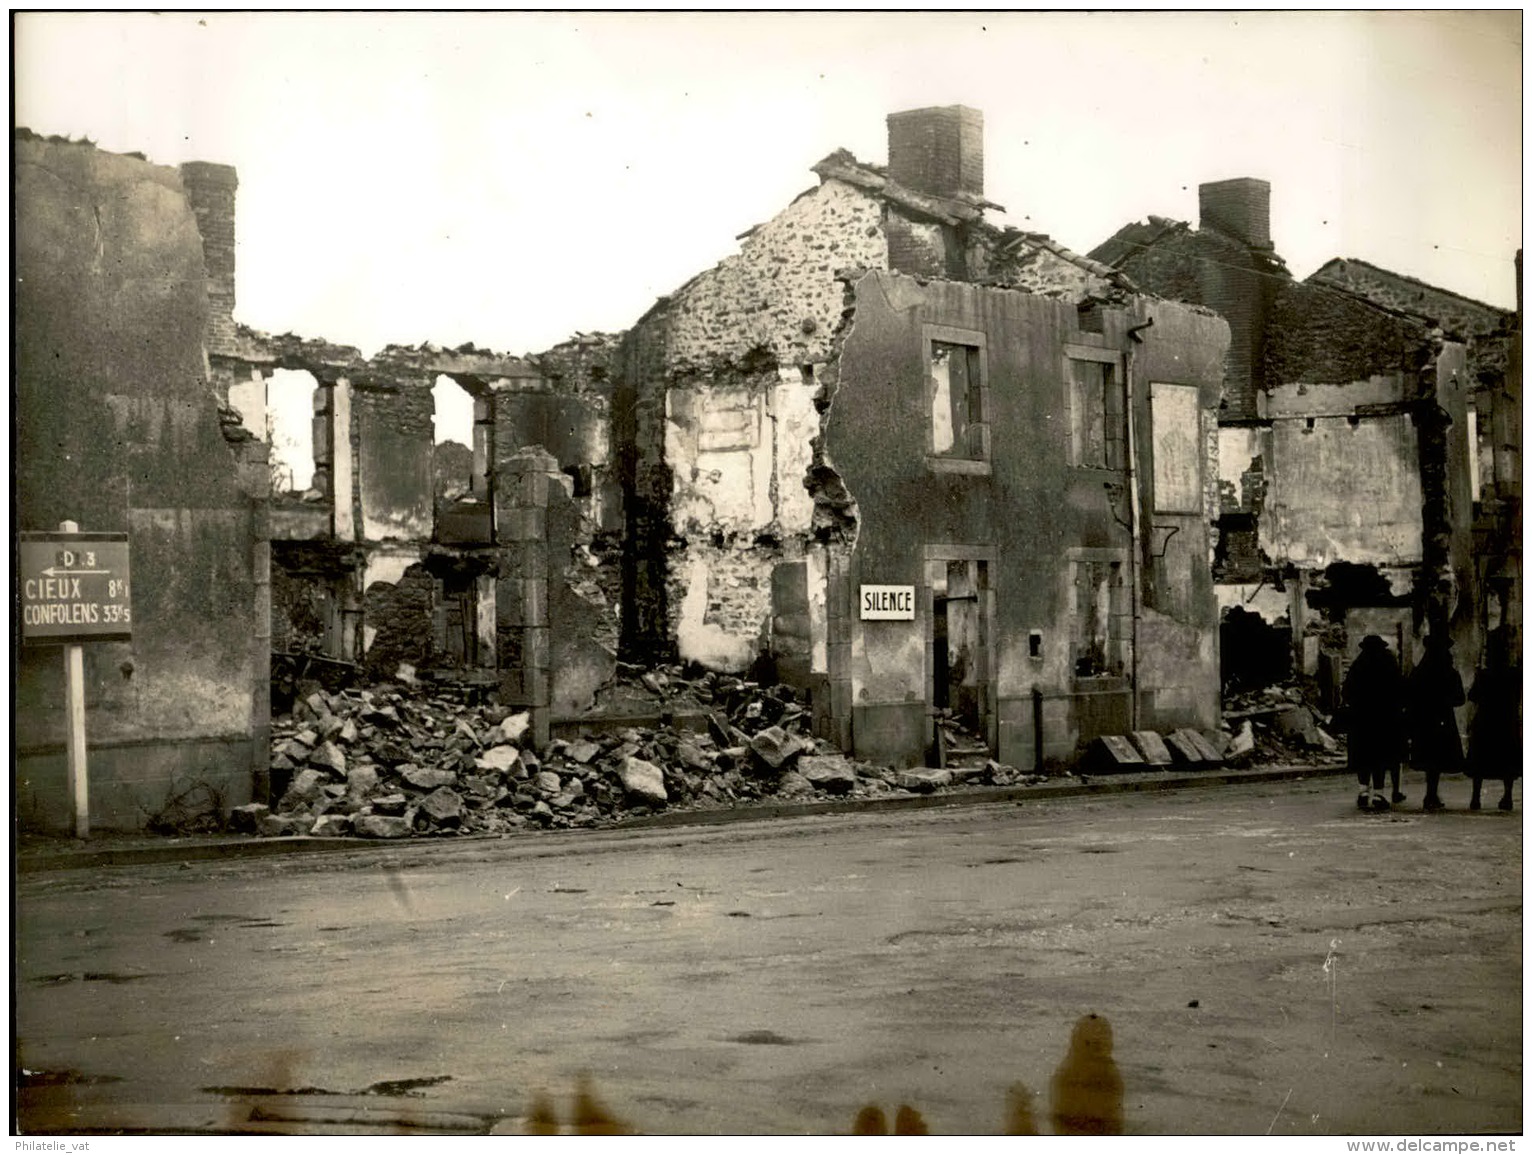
1435 693
1374 693
1494 735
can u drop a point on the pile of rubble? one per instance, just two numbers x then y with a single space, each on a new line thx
397 760
1278 725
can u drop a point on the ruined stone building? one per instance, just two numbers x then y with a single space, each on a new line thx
143 407
882 394
1353 448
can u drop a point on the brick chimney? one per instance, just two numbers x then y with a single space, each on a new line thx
210 190
937 150
1240 207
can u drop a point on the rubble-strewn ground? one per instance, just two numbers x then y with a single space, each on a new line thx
410 758
400 759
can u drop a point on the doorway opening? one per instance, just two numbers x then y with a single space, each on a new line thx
960 689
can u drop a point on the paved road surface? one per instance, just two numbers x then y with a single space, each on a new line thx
775 977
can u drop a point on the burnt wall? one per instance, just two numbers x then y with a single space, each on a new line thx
1319 335
117 428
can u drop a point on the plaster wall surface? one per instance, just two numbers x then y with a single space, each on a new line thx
1343 492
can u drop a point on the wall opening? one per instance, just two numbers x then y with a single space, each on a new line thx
294 405
959 685
453 417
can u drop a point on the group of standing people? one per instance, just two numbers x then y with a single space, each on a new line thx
1393 718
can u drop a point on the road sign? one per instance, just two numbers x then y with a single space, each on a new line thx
74 587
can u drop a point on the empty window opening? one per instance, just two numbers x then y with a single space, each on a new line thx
453 415
1089 316
958 421
295 405
1095 415
581 476
1100 619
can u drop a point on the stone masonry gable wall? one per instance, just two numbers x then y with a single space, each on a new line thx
778 294
1457 315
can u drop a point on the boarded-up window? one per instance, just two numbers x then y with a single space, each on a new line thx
957 402
1095 415
1176 421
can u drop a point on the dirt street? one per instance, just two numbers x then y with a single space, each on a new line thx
1269 960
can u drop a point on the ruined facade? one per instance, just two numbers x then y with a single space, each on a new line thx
802 420
1346 443
144 407
118 429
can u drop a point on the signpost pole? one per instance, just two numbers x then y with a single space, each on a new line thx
74 724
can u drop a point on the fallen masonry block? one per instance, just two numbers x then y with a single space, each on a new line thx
923 781
643 780
381 826
1242 743
547 783
331 826
1114 752
498 758
280 825
831 773
583 751
307 786
245 819
329 756
965 774
390 804
1183 748
425 778
1210 753
1152 747
442 806
774 746
511 729
361 781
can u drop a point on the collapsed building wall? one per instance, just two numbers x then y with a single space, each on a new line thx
118 429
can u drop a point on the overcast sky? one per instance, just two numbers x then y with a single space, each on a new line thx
510 179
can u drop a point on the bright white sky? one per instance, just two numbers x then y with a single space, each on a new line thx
510 179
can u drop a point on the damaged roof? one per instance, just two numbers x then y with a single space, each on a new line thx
963 208
1403 293
1132 238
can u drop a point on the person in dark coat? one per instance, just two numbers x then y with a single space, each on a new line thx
1494 735
1374 697
1434 693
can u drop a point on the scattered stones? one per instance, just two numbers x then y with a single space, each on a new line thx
583 751
547 782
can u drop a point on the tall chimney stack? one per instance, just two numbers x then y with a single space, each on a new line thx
1240 207
210 190
939 151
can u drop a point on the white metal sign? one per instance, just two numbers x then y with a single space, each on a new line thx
888 603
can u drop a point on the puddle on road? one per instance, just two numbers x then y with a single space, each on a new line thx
389 1088
89 977
765 1039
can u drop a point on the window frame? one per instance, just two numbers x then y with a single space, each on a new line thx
1113 441
966 462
